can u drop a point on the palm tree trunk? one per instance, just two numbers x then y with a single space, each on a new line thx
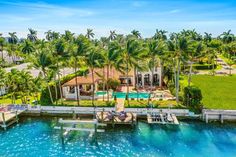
127 82
59 83
177 80
92 70
103 84
190 73
107 82
162 72
49 89
76 83
56 94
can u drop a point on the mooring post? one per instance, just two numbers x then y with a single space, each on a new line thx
102 114
73 114
4 121
16 117
113 124
95 126
222 118
206 118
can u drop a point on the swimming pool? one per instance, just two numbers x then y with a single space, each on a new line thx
36 137
123 94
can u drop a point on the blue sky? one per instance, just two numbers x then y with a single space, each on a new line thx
214 16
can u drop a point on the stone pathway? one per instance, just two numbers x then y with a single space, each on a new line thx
120 105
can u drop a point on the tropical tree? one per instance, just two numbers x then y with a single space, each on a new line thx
32 36
2 43
112 35
68 36
129 58
27 47
155 49
178 46
227 37
12 40
136 33
160 34
94 59
43 62
89 34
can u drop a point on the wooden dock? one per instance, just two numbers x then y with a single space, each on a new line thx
8 118
162 118
115 118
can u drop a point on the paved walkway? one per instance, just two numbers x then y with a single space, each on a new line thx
120 105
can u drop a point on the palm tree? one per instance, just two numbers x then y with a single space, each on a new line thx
94 59
32 36
129 58
178 46
27 47
227 37
43 62
160 34
155 48
59 54
110 57
13 38
2 43
2 78
136 33
112 35
68 36
89 34
207 37
77 51
194 53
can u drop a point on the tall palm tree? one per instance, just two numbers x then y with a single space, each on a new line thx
179 47
227 37
160 34
194 53
2 43
32 36
59 54
89 33
13 39
77 51
94 59
136 33
27 47
43 62
155 49
129 58
112 35
68 36
110 57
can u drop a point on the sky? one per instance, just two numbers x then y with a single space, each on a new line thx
213 16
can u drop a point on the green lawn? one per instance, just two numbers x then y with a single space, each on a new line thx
6 100
88 103
219 92
156 104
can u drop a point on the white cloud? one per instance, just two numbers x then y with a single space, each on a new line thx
52 9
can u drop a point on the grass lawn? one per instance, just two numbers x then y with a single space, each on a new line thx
159 104
219 92
6 100
88 103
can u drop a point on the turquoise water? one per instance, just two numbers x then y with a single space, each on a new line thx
36 137
123 95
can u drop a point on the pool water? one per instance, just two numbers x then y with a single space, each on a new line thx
36 137
123 94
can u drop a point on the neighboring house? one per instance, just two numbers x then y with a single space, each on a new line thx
143 79
2 91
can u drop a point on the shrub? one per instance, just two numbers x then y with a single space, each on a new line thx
192 96
113 84
203 66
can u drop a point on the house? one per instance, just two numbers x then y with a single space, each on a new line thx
2 91
142 79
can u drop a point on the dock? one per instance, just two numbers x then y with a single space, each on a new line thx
116 118
9 117
221 115
162 118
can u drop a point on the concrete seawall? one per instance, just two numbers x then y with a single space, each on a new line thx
221 115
